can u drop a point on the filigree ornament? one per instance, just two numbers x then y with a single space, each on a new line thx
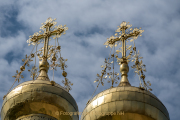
49 30
110 42
106 65
128 47
33 72
58 48
137 57
64 73
22 68
124 24
128 58
50 22
124 33
26 61
138 64
144 85
129 32
60 29
140 68
54 51
101 78
50 51
119 50
62 63
119 60
18 76
33 40
67 84
137 32
32 55
54 63
113 77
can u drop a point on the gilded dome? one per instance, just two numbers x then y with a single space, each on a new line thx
125 103
39 97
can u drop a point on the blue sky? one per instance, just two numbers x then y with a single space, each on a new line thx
90 23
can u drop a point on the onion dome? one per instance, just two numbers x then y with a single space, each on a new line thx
40 98
124 102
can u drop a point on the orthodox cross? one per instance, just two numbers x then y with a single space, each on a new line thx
50 30
47 34
123 36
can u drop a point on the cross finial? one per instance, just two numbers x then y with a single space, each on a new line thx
49 30
124 32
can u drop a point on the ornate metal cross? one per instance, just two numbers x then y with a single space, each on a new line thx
124 36
49 31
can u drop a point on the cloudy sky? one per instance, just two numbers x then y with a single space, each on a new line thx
90 23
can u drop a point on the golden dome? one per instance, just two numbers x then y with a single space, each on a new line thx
41 98
125 103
